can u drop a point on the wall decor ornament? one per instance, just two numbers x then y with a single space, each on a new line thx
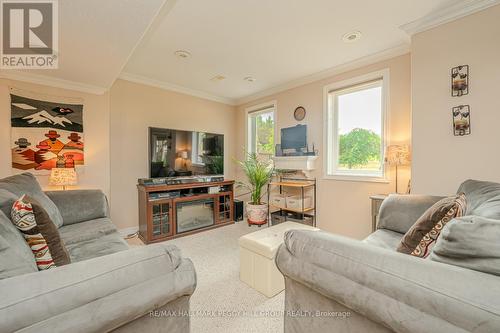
45 134
300 113
461 120
460 81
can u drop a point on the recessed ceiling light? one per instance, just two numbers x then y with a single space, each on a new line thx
218 78
352 37
249 79
182 54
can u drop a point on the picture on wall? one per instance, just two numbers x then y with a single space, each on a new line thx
460 81
461 120
45 134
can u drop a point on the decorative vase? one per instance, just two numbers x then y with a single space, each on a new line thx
256 214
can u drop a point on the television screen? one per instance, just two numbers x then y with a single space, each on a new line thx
174 153
294 137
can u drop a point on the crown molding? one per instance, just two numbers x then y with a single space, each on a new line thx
51 81
352 65
176 88
448 14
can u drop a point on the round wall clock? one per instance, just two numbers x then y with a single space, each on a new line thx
300 113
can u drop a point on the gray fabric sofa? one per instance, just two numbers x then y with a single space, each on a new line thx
108 287
337 284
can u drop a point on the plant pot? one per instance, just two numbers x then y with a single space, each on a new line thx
256 214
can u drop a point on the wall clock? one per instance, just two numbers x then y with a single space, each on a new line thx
300 113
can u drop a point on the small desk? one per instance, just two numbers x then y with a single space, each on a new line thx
376 203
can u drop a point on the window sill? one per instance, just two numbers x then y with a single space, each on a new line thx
356 178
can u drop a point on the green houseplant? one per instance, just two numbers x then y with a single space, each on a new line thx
258 172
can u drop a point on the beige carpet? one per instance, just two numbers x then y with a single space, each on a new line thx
221 302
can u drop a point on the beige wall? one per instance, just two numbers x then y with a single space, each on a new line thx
125 113
442 161
344 206
96 132
134 108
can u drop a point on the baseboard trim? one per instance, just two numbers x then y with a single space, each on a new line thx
125 232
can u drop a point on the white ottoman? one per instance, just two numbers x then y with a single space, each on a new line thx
257 252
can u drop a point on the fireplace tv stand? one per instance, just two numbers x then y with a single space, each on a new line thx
176 209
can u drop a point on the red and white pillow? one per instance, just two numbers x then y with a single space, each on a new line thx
42 236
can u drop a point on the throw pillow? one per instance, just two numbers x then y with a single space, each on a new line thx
425 245
424 224
471 242
40 233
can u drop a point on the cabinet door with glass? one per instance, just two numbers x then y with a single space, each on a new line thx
225 208
160 219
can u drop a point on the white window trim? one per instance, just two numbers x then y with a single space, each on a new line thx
263 107
194 150
328 131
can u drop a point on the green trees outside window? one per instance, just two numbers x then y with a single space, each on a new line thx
360 149
265 134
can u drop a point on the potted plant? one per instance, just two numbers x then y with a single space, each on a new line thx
258 173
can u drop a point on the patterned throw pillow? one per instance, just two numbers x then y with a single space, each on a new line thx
425 223
425 245
40 233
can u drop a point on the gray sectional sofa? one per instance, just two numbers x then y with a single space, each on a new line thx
337 284
108 287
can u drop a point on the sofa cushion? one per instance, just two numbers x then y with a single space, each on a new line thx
40 232
7 199
80 205
88 230
424 224
90 239
483 198
26 183
472 242
15 255
399 212
383 238
97 247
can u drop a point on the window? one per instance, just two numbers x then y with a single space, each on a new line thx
355 128
197 148
261 130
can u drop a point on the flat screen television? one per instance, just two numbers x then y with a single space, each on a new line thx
294 137
174 153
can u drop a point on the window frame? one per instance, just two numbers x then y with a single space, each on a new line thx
195 149
256 110
330 131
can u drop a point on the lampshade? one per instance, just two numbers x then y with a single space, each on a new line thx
63 176
183 154
398 155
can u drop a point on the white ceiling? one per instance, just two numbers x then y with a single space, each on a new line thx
96 38
274 41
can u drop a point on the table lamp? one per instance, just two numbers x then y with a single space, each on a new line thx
63 177
184 155
398 155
